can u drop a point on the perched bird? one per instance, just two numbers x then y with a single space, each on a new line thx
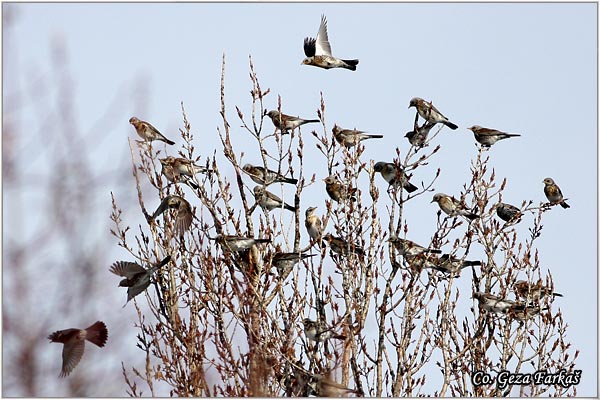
507 212
268 200
318 51
341 246
452 206
351 137
487 137
313 225
418 136
238 243
184 217
285 123
394 176
264 176
553 193
74 343
523 312
410 248
338 191
147 132
420 261
317 333
536 291
177 169
493 303
452 265
324 386
137 278
284 262
429 113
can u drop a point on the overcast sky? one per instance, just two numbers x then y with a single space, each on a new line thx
525 68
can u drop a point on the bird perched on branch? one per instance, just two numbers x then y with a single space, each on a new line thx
269 201
285 123
238 243
341 246
523 312
452 206
452 265
507 212
394 176
147 132
318 333
429 113
351 137
493 303
408 247
324 386
338 191
184 217
313 225
418 136
178 169
536 291
264 176
553 193
487 137
318 51
284 262
137 278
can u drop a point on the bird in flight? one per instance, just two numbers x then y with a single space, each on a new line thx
318 51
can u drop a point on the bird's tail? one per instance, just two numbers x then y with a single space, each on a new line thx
311 120
167 141
375 136
471 215
564 204
450 125
409 187
97 333
262 240
288 207
350 64
291 180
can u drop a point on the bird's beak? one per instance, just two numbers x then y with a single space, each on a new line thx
431 201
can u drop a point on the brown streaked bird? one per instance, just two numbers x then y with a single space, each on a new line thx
536 291
418 136
137 278
184 217
493 303
318 333
338 191
507 212
318 51
147 132
73 340
264 176
395 177
410 248
285 123
313 224
342 247
429 113
285 262
452 265
178 169
452 206
351 137
522 312
238 243
268 200
487 137
553 193
324 386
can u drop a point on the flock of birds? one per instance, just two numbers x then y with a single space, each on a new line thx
180 170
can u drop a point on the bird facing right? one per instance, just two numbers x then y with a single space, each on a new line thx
318 51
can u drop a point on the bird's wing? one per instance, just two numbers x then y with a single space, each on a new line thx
126 269
151 127
309 47
322 43
71 355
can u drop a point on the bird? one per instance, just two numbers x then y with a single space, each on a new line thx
73 340
284 262
452 206
313 224
487 137
318 51
136 277
341 246
264 176
493 303
285 123
418 136
429 113
536 291
183 219
238 243
147 132
324 386
177 169
268 200
338 191
394 176
318 333
452 265
553 193
410 248
351 137
523 312
507 212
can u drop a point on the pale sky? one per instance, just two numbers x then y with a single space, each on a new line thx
524 68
